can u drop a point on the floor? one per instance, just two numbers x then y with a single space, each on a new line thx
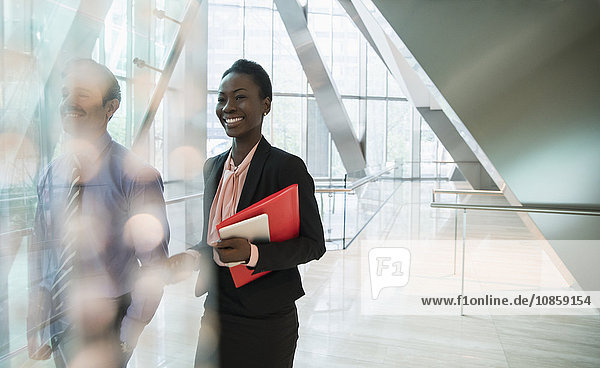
502 254
343 325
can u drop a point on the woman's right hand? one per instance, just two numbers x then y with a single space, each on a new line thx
180 267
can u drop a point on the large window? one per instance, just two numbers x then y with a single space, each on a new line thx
376 106
33 34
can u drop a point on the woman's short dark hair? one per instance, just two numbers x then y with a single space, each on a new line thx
89 66
258 74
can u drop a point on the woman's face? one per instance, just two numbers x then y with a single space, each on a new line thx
240 107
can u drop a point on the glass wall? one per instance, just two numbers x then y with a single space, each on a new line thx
380 114
33 37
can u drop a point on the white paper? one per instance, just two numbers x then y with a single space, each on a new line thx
255 229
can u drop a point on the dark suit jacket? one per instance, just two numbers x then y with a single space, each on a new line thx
271 170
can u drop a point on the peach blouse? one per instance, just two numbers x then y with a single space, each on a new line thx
226 201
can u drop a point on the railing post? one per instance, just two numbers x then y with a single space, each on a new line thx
455 232
464 235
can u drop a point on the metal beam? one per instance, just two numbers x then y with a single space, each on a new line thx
195 107
440 101
464 158
140 143
327 96
79 41
401 68
74 33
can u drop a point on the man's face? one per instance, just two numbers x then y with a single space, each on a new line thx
82 111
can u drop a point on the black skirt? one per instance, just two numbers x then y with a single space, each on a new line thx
227 340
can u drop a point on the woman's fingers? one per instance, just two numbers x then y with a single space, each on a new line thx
180 267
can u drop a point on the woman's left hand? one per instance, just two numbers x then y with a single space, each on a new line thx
233 250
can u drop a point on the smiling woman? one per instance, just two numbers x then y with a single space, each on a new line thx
244 99
257 323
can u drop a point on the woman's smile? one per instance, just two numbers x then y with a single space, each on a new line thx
241 107
232 121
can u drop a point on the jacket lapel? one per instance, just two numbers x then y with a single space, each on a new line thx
254 174
213 179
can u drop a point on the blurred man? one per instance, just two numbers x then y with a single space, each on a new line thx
100 236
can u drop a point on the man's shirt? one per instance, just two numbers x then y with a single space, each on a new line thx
125 226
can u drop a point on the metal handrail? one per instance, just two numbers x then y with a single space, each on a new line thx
453 162
534 209
370 178
469 191
466 191
43 324
184 198
438 162
530 209
13 353
19 232
28 230
25 198
356 184
323 178
333 190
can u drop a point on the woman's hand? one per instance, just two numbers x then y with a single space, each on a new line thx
180 267
233 250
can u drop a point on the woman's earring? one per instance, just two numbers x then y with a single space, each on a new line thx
265 113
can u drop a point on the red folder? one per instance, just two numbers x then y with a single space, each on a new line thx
284 224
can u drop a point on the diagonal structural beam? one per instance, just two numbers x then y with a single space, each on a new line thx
327 96
186 25
401 68
79 41
74 34
464 158
412 86
440 102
